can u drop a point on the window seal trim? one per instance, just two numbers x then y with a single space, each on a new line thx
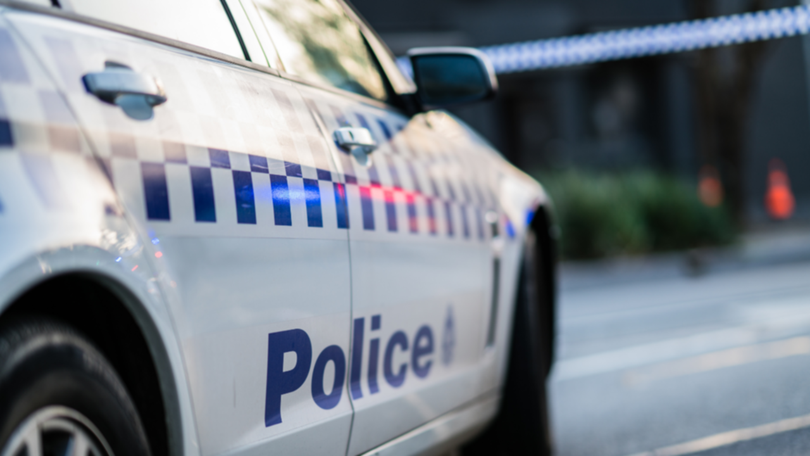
236 30
62 14
258 26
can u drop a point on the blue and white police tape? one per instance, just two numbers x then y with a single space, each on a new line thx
646 41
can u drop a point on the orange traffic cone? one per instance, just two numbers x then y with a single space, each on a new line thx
710 190
779 201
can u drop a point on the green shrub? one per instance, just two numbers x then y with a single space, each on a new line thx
631 213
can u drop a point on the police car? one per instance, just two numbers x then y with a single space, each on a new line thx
236 227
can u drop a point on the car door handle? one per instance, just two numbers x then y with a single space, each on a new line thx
135 93
349 137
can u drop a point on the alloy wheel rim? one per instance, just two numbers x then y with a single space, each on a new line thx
56 431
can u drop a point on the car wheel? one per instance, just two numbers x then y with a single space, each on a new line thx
522 426
58 395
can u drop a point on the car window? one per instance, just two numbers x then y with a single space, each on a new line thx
318 42
401 82
200 22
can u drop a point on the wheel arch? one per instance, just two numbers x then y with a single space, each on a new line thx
115 320
544 277
522 423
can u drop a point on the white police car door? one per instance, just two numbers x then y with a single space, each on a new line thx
234 183
419 251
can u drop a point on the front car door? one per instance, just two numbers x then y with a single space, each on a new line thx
233 183
420 246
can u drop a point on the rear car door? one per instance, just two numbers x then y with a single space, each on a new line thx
421 261
233 182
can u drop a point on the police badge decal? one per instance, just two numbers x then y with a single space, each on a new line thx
448 337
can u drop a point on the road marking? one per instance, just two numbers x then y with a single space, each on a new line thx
731 437
780 325
719 359
665 350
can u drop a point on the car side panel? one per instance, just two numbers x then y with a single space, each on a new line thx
421 258
60 215
518 198
232 184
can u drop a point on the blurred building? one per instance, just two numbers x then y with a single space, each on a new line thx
612 115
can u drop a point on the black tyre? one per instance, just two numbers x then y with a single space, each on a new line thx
522 426
58 395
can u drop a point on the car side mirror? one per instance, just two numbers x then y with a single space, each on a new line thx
447 76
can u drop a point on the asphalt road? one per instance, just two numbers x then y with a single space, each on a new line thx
672 365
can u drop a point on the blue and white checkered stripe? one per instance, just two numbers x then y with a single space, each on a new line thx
41 146
264 168
232 153
646 41
417 183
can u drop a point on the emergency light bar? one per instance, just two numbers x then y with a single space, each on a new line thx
645 41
